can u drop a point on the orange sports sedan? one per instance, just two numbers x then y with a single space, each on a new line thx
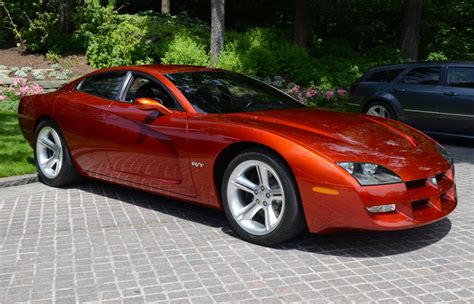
227 141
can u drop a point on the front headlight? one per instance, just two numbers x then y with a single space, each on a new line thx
368 174
445 154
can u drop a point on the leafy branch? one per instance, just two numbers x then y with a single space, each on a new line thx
13 26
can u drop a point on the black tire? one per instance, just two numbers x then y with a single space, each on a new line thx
292 221
386 105
68 173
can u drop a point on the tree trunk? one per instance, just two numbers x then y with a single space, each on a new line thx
217 29
165 7
410 35
65 16
301 23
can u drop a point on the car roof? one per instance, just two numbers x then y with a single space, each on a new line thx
160 68
420 64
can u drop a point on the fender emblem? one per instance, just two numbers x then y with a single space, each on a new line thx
434 181
197 164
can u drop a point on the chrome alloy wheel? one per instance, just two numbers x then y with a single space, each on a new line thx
256 197
379 111
49 152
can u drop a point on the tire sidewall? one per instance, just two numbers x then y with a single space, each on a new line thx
292 222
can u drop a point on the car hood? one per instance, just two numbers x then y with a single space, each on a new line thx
353 137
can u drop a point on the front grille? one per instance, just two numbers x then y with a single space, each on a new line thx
416 184
426 196
420 205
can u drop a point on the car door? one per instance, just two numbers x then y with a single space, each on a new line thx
457 106
148 149
81 116
419 93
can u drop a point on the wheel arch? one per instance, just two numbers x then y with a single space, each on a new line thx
40 119
387 98
226 155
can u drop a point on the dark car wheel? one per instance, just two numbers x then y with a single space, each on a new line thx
260 198
380 109
52 157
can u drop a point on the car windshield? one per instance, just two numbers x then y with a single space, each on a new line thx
225 92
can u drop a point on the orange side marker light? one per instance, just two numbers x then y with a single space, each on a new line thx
325 190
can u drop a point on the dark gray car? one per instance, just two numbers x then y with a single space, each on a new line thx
437 98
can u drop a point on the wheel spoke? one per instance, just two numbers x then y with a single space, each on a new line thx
48 164
48 143
245 184
270 218
56 169
263 176
249 211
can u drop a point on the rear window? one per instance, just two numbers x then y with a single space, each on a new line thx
461 77
384 76
106 85
428 76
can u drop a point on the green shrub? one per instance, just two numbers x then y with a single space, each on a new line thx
436 56
43 34
113 39
264 52
183 49
11 103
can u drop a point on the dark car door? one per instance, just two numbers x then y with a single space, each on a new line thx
81 115
419 92
457 105
148 149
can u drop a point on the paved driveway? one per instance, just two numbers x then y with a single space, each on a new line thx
98 242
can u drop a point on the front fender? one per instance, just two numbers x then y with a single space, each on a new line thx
312 171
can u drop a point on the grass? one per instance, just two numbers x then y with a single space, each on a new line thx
16 155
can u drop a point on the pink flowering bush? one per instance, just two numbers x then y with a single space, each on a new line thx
10 98
21 88
317 96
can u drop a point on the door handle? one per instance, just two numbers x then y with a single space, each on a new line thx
399 90
449 93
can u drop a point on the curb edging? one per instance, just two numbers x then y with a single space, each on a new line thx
18 180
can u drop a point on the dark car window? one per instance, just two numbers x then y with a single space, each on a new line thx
384 76
142 86
461 77
428 75
225 92
106 85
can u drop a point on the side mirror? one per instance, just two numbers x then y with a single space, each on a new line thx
148 104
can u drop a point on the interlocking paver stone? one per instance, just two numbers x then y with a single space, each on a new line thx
100 242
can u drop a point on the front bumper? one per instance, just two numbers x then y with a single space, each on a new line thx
417 203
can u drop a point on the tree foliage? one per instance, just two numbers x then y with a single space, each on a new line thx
344 37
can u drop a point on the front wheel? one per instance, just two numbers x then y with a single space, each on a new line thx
52 158
260 198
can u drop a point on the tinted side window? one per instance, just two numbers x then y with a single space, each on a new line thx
384 76
226 92
427 75
106 85
144 87
461 77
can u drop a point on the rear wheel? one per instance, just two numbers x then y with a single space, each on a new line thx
380 109
260 198
52 157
